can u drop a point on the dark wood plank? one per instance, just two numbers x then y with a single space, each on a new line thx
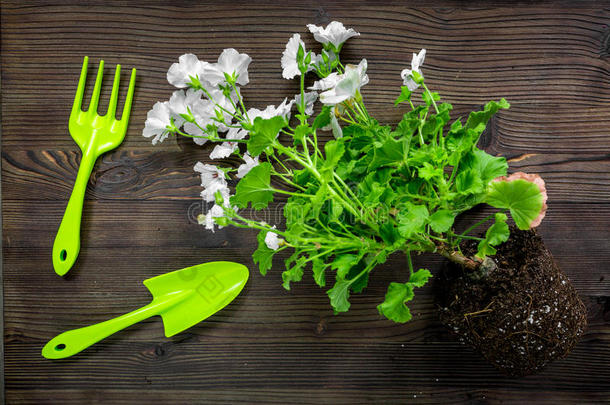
562 54
96 293
135 174
335 395
411 369
131 225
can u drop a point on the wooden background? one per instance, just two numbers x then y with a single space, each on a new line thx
550 60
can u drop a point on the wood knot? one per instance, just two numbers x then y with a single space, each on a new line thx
115 177
321 327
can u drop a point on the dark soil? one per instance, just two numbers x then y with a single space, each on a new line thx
522 315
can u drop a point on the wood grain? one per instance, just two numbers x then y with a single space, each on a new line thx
161 175
549 59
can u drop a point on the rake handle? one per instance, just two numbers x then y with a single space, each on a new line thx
67 242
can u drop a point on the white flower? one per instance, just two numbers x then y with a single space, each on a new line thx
209 193
244 168
213 180
271 111
334 122
179 74
157 122
272 241
203 112
290 67
327 82
348 84
334 33
284 108
192 129
310 99
216 211
226 148
209 174
406 74
224 106
231 62
208 220
181 103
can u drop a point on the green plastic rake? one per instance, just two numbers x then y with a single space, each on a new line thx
95 134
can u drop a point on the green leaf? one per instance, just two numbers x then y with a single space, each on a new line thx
296 211
343 263
301 177
482 117
428 97
485 249
295 273
339 295
389 233
427 171
263 255
461 139
495 235
420 277
374 193
498 232
441 221
394 307
411 219
358 283
523 198
405 95
300 132
406 128
389 153
254 188
489 167
468 182
334 151
319 267
263 133
370 189
323 119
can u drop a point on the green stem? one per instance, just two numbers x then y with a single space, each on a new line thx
241 101
431 97
286 179
481 222
471 237
410 263
277 190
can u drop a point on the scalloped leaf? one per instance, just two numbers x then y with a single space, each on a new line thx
523 198
254 188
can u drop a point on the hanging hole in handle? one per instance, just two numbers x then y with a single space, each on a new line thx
60 347
62 255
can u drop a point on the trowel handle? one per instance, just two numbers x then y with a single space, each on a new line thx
73 341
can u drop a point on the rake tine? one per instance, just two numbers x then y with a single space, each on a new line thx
127 107
95 97
78 98
115 92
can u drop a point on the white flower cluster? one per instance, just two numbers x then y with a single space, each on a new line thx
208 103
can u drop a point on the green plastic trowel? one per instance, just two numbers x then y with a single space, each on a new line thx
183 298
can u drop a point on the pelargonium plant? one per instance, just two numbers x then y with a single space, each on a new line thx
372 191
